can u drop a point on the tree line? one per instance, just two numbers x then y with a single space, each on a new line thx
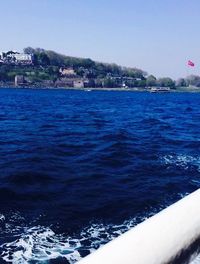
47 63
84 67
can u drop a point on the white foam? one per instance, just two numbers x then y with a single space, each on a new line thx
182 160
2 218
41 244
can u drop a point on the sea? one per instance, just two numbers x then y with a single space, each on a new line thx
79 168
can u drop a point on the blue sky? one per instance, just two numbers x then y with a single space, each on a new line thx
158 36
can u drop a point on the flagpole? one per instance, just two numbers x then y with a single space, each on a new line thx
187 69
190 64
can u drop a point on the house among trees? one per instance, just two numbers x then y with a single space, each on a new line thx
67 72
78 83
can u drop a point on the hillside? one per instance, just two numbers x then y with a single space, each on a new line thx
50 68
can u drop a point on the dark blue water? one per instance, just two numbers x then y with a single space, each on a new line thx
79 168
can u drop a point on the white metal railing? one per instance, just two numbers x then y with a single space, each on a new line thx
171 236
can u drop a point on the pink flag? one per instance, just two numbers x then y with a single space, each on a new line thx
190 63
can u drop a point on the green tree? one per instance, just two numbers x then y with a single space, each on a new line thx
193 80
110 83
181 82
166 82
151 80
4 69
43 59
29 50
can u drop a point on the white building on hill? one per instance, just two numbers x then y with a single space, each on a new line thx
16 57
23 58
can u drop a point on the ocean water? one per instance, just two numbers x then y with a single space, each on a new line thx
78 168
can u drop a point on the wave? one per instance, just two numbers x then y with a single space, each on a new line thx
182 160
29 178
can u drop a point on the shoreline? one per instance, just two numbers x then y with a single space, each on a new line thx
136 89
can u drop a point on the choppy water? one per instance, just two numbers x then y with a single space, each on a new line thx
79 168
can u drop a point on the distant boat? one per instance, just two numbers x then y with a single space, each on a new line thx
88 90
159 89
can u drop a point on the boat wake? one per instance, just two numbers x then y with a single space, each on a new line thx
40 244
